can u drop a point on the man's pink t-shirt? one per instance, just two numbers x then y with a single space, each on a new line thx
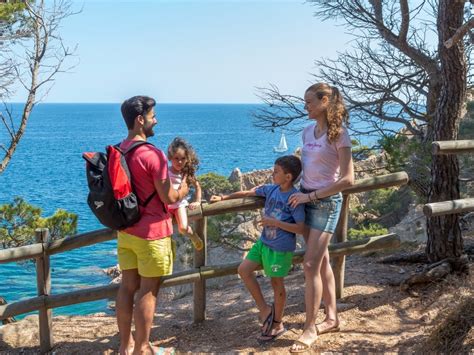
320 158
147 164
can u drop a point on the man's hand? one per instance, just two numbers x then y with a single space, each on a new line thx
183 189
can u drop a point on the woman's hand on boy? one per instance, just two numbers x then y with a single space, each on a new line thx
297 199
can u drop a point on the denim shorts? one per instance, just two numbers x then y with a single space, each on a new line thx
323 214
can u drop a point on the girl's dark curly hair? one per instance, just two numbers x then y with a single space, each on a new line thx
192 161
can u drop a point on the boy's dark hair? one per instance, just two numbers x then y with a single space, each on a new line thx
136 106
290 165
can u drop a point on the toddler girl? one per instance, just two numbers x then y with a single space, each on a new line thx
184 164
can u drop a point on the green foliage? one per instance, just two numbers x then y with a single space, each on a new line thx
19 219
470 107
214 225
8 10
383 201
466 126
371 230
213 184
399 149
359 151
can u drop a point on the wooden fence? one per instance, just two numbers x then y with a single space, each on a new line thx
43 248
453 206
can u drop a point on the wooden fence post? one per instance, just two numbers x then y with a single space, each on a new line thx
339 263
199 290
43 281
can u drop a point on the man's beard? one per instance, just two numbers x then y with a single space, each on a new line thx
149 132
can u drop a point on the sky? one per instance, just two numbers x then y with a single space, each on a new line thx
205 51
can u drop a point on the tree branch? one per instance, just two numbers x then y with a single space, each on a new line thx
460 33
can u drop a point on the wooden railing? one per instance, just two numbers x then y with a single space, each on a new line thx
41 251
454 206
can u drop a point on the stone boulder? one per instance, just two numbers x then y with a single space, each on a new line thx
25 331
412 227
252 178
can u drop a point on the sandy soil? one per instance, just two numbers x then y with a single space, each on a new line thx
376 317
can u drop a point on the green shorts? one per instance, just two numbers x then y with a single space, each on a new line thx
275 263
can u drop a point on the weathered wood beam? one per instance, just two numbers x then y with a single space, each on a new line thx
235 205
448 207
378 182
87 295
452 147
184 277
81 240
337 249
21 253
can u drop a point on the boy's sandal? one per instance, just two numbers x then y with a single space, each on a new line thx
268 322
269 336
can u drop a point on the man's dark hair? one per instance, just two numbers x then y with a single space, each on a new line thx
136 106
290 165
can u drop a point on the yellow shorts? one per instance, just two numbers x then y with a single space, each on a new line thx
152 258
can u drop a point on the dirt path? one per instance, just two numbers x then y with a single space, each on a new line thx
382 319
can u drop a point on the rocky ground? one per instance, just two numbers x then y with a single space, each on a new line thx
375 317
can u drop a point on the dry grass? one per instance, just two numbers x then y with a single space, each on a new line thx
454 334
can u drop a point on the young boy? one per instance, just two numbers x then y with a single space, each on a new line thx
274 250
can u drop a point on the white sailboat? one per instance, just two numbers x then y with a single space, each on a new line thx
282 147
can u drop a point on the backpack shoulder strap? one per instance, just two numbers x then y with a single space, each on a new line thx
134 145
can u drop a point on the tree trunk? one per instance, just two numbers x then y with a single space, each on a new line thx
444 233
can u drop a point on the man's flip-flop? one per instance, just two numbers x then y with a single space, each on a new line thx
270 337
268 322
303 347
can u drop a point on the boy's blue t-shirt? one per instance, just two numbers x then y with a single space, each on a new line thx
276 206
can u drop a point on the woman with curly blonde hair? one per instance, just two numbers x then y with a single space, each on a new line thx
184 164
327 170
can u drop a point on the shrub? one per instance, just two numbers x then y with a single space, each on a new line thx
214 184
371 230
19 219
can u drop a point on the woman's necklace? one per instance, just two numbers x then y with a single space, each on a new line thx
319 134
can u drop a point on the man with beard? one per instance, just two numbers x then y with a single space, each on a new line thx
145 250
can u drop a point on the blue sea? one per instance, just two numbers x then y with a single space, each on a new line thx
48 171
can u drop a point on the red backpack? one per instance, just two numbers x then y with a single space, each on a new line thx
111 195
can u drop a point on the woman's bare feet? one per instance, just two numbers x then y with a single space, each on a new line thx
127 349
328 326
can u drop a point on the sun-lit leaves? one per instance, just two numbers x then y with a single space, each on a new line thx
19 219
